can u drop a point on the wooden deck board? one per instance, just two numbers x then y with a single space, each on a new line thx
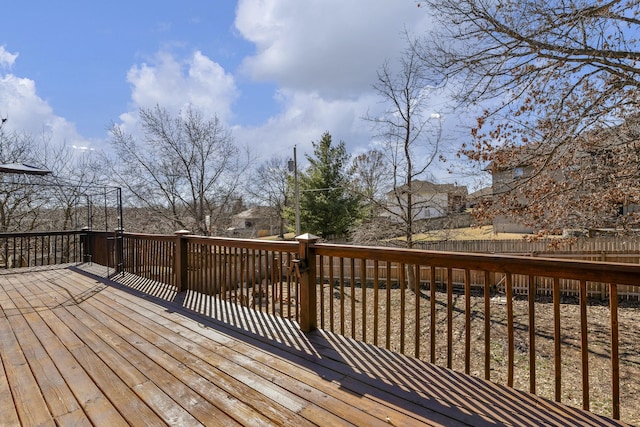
275 400
54 334
79 350
177 404
281 372
154 342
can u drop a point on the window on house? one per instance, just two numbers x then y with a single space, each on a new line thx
517 173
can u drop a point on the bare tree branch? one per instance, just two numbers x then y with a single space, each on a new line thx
186 165
561 80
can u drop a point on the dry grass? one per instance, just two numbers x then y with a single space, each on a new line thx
484 232
359 306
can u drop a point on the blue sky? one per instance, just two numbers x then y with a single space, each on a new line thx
278 72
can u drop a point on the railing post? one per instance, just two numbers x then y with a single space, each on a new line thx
86 241
181 265
307 270
119 250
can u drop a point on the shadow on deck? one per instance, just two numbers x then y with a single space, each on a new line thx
77 347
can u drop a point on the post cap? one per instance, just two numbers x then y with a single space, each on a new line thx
307 237
182 232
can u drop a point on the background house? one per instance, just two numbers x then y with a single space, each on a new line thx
504 180
483 195
258 221
429 200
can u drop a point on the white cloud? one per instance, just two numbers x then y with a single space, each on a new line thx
25 111
7 59
324 56
333 47
304 118
173 84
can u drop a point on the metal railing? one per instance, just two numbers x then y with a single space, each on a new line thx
33 249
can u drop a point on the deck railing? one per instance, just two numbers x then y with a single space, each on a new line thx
531 323
254 273
32 249
260 274
462 310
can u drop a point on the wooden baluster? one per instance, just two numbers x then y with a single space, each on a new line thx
467 321
449 317
388 306
417 332
487 325
363 290
321 289
376 301
557 339
352 285
532 333
402 280
432 303
342 319
331 298
584 345
510 332
615 361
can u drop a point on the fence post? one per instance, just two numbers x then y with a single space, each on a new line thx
307 269
181 264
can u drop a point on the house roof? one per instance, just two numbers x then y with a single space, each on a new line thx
605 137
255 212
481 193
418 186
21 168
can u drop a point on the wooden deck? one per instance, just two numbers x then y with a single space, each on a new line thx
76 349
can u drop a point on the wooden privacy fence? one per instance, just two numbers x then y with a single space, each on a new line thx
481 314
614 249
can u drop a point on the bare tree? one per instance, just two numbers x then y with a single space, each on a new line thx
77 172
370 179
410 136
270 187
183 168
43 201
559 81
18 204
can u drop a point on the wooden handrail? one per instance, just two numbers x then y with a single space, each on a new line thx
611 275
424 303
619 273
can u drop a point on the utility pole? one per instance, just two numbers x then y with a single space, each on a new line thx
293 167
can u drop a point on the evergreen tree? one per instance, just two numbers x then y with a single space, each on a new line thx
326 206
